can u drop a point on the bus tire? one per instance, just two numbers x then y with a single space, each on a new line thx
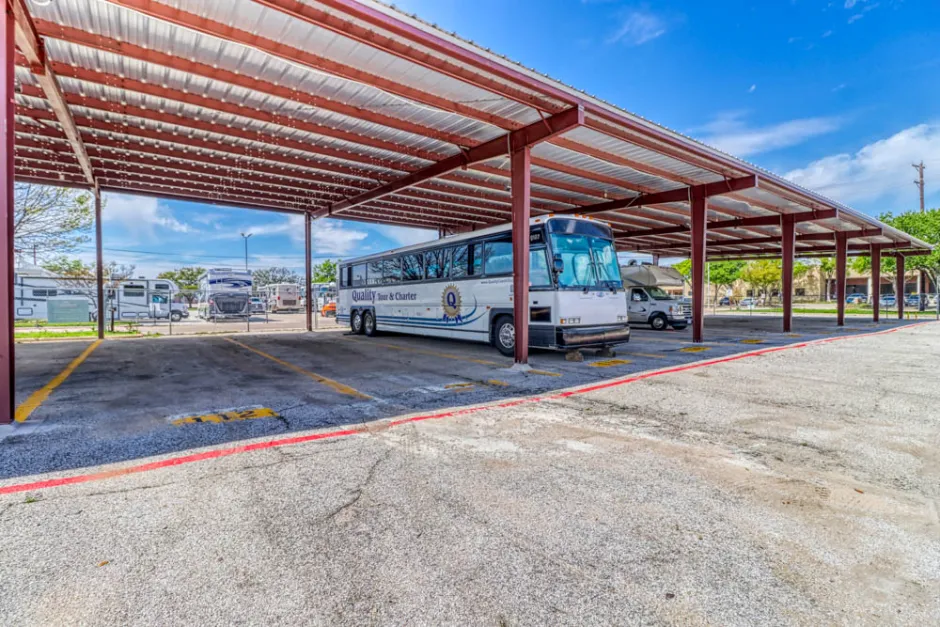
355 321
658 322
504 335
368 324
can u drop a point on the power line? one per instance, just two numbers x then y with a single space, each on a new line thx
920 182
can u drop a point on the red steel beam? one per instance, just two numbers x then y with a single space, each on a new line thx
899 284
788 244
308 273
513 141
99 265
699 209
520 250
841 264
7 227
876 282
808 216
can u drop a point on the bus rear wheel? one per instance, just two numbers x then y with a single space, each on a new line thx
504 336
368 324
355 322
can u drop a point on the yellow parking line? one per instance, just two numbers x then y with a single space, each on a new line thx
335 385
39 396
654 356
544 373
694 349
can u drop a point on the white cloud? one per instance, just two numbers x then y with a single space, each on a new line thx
752 89
879 171
330 237
838 87
140 214
406 236
638 27
730 133
828 33
850 3
856 17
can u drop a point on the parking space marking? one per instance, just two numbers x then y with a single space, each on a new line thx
694 349
421 351
217 453
330 383
652 355
545 373
226 416
458 386
752 341
609 363
38 397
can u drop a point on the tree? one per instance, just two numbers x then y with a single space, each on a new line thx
717 273
924 226
77 269
324 272
762 274
187 279
50 220
270 276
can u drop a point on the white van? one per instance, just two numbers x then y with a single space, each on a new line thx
647 301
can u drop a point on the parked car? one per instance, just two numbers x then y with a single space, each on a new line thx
257 305
912 300
888 301
856 299
931 300
748 303
328 310
724 302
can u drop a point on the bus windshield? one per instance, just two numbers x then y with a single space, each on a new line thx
589 258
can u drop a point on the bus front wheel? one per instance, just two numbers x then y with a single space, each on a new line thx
368 324
504 336
355 322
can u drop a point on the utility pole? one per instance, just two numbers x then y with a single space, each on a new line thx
246 236
920 182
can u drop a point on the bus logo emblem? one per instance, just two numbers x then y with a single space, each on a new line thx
450 300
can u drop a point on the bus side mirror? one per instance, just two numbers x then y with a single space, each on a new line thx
558 264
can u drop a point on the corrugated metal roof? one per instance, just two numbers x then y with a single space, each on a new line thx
296 107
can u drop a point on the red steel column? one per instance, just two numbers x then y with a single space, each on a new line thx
7 367
876 282
99 266
841 260
655 260
788 226
900 286
699 215
308 271
521 178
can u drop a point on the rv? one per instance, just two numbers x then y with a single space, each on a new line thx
224 293
34 287
647 301
37 290
281 297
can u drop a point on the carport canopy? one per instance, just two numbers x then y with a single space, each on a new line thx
351 109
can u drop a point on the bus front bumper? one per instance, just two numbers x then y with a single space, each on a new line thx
583 337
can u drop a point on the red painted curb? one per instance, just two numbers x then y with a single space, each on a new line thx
257 446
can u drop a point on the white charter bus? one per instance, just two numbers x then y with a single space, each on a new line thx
462 286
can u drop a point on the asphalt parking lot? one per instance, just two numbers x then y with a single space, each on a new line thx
123 400
770 479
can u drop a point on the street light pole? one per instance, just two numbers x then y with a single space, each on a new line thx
246 236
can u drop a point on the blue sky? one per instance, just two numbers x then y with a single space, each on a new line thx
839 96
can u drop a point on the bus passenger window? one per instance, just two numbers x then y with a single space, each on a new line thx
458 268
391 270
539 275
375 273
435 263
412 268
498 257
476 259
359 275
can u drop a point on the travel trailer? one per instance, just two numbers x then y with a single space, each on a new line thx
647 301
281 297
224 293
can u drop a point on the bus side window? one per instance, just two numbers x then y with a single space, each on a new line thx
411 268
342 277
498 255
539 275
435 262
359 275
458 267
476 260
391 270
375 273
